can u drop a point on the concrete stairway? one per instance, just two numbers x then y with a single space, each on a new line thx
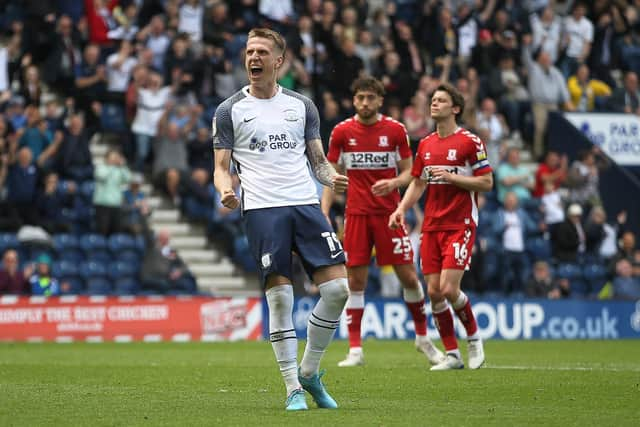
214 272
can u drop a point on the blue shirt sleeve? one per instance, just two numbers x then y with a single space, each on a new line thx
222 127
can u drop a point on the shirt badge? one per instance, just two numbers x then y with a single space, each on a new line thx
451 155
383 142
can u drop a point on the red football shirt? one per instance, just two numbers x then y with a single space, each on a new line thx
369 153
448 207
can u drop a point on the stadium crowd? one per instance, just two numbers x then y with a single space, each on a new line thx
152 72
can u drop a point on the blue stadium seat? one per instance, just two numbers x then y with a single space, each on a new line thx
76 286
67 247
595 275
120 270
95 247
99 286
539 248
127 286
140 244
579 287
93 269
569 271
130 256
64 241
64 269
119 242
86 190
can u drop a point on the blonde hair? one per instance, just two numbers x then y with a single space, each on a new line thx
274 36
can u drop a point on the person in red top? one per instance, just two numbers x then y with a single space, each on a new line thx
373 148
451 165
12 280
553 169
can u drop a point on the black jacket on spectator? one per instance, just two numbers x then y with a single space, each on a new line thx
565 242
74 159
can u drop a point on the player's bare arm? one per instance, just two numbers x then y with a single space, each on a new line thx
383 187
323 170
327 195
222 179
411 196
470 183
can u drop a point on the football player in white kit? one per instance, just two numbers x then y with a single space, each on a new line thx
273 137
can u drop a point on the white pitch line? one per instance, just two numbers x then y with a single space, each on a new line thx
566 368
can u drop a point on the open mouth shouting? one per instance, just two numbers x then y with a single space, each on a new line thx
255 71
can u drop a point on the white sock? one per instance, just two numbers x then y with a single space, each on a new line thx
413 294
323 322
282 334
460 302
356 299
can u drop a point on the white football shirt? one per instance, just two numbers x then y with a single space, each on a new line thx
268 139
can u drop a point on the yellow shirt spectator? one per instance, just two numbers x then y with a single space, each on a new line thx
583 90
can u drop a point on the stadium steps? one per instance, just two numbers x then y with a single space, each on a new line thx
213 272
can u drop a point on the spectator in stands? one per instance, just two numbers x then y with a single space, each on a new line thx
543 285
577 39
552 207
625 285
513 226
50 203
585 91
110 177
511 176
627 246
594 230
484 53
415 117
180 65
15 113
627 98
546 30
74 160
119 68
154 36
125 22
163 271
54 115
170 162
199 149
583 178
548 90
32 89
496 128
505 85
199 196
9 217
151 102
91 78
136 207
569 238
43 144
13 281
553 169
22 183
63 57
41 281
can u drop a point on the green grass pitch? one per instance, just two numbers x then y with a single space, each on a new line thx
534 383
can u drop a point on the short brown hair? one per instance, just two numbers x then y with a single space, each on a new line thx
274 36
456 97
368 83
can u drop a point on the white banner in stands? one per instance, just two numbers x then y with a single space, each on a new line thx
617 134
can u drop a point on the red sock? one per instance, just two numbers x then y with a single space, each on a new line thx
419 317
444 323
354 318
467 318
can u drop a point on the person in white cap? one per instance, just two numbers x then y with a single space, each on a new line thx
569 239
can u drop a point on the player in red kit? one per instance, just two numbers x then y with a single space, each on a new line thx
451 165
373 148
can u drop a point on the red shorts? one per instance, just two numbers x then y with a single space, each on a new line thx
361 232
446 250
